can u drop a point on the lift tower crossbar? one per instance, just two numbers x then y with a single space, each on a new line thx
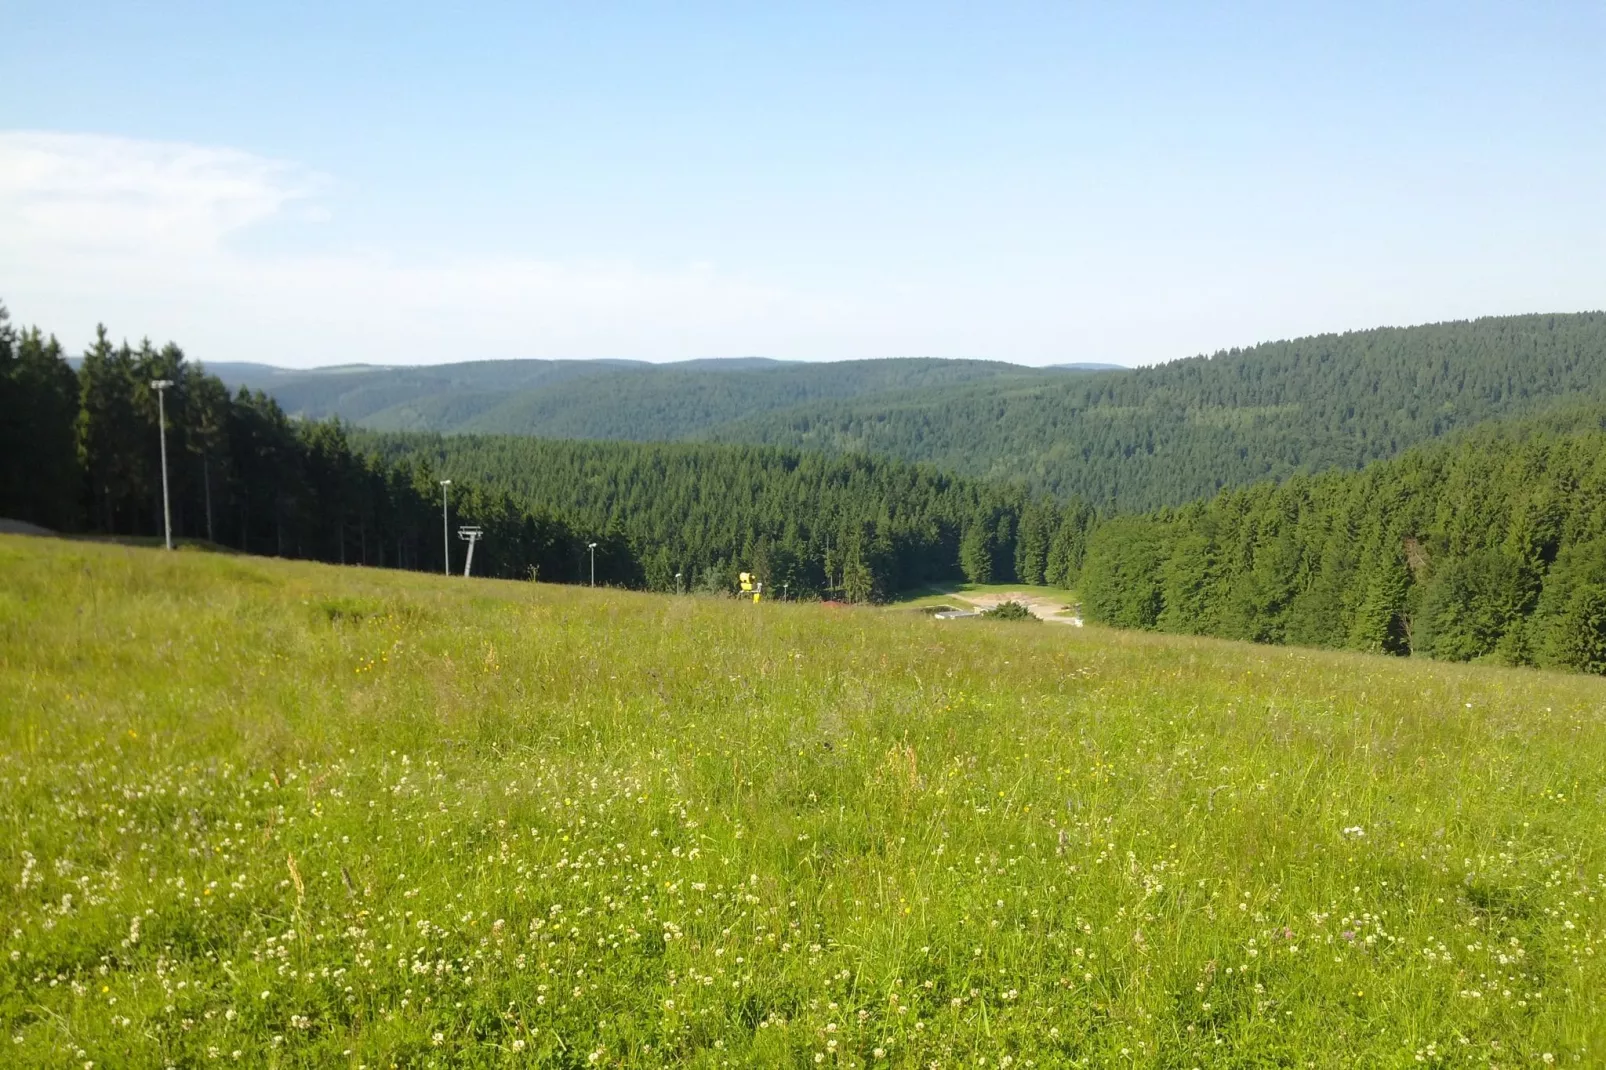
470 535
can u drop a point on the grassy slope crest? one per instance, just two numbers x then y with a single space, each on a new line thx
348 815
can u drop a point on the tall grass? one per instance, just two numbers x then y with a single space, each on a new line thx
295 815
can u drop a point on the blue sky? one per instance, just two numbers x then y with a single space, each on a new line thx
400 183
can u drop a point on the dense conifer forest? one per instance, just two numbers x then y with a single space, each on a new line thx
1490 546
1129 440
81 453
839 526
626 400
1179 431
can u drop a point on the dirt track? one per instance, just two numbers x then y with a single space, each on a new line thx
1052 610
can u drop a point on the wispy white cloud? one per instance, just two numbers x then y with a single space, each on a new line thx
145 235
84 193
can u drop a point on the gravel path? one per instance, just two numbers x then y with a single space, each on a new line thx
1052 610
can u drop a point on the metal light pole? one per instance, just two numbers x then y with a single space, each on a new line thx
593 548
160 386
677 583
446 538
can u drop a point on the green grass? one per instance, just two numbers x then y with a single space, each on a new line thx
284 814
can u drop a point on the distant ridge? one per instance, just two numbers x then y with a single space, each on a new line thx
1126 438
1170 433
616 399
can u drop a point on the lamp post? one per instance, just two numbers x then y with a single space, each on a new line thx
784 586
677 583
593 548
446 538
160 386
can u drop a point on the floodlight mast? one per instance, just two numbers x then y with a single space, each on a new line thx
446 538
160 386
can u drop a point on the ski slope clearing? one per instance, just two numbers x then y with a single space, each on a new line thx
275 813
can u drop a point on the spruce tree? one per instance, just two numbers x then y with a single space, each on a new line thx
111 438
39 480
976 551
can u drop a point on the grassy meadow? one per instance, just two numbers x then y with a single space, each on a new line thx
273 814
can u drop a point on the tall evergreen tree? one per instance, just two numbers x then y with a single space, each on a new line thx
1472 602
112 439
38 449
1069 545
976 550
1036 530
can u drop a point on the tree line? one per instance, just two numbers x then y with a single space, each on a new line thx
838 526
1490 546
81 452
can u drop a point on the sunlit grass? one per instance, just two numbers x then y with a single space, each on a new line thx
288 814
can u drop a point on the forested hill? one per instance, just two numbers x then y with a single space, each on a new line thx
1489 545
1134 439
629 400
1492 545
81 451
1178 431
819 525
